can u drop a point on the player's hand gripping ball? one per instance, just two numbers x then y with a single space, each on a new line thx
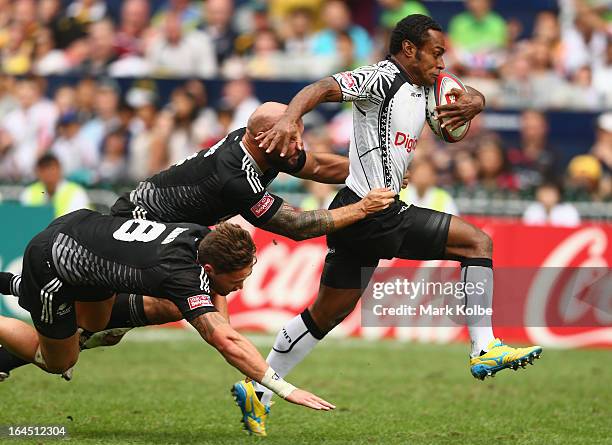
441 94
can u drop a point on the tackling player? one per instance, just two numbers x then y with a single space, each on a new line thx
84 257
228 179
388 98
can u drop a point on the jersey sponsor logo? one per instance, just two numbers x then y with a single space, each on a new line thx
199 301
64 309
263 205
347 79
406 141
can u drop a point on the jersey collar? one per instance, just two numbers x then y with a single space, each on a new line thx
402 71
251 160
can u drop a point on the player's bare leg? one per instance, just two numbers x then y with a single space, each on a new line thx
52 355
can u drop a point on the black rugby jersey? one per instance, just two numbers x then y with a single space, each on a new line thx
207 187
130 255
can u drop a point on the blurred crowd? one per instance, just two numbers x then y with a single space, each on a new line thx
565 60
100 135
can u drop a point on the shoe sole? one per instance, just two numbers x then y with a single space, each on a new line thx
483 371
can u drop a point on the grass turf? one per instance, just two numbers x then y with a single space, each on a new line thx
168 387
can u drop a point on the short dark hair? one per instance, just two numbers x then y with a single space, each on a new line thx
227 248
47 160
413 27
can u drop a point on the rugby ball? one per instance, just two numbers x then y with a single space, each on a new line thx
440 94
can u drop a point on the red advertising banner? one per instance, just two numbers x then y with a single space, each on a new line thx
286 279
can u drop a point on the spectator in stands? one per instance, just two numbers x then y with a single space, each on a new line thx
298 32
48 60
337 18
395 10
580 93
186 11
238 95
208 129
143 101
106 118
585 179
478 35
267 61
52 188
583 45
28 130
217 23
176 132
422 190
495 174
101 50
64 99
86 91
602 149
87 11
113 166
17 52
549 210
77 155
8 102
176 53
320 195
133 24
466 173
66 30
24 14
534 160
602 77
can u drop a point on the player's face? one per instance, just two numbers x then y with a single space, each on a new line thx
429 59
224 283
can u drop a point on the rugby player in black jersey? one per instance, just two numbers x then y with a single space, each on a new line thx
86 257
228 179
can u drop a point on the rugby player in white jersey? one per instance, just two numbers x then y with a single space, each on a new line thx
388 98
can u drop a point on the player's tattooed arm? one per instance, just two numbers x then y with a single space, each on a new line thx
237 350
299 225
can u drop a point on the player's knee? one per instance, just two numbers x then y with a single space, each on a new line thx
59 366
93 324
484 245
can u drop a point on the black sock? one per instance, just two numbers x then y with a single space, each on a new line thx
128 312
8 361
7 286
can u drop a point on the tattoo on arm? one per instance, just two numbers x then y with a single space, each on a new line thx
206 323
299 225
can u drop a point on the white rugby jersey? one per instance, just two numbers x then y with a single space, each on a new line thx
388 116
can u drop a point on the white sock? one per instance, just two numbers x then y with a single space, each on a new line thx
479 326
293 343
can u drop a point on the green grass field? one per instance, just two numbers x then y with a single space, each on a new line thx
171 388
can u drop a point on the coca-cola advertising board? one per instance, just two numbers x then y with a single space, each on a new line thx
532 265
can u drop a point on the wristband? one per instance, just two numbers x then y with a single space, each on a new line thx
274 382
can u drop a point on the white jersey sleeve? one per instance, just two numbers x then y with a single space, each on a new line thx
364 83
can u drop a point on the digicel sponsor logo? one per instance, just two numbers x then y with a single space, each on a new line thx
405 140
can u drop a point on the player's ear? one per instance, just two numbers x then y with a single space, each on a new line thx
208 268
409 48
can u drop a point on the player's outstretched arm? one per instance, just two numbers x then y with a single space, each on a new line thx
328 168
299 225
242 354
278 137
